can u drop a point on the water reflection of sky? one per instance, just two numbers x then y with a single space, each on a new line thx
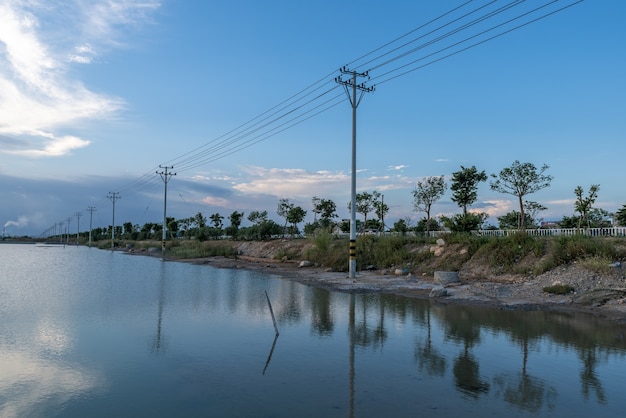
137 334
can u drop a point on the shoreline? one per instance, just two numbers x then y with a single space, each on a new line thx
604 298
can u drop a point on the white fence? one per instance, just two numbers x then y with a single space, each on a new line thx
618 231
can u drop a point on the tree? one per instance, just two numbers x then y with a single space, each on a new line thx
284 206
200 220
216 220
257 217
620 216
465 185
365 203
465 222
584 204
427 191
381 209
520 180
511 220
533 209
326 209
401 226
235 219
295 215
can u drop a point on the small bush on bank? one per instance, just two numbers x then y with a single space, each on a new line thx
559 289
328 251
197 249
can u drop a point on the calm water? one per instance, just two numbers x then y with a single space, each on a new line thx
90 333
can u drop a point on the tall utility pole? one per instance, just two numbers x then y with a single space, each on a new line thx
69 220
113 196
165 175
351 88
78 215
91 210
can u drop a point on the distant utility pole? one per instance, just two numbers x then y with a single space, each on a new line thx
351 88
91 210
165 175
78 215
113 196
69 220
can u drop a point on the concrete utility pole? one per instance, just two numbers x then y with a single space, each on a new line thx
351 88
165 175
91 210
69 220
78 215
113 196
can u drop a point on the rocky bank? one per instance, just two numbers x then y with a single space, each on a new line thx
600 294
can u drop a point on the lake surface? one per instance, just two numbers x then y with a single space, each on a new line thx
93 333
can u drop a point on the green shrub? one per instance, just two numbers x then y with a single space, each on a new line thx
559 289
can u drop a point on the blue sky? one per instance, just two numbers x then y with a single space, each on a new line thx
95 95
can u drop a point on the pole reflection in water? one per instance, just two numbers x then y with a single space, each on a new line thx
158 343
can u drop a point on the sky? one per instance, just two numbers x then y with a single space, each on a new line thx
240 98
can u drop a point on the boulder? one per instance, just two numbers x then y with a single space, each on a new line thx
305 263
438 292
446 277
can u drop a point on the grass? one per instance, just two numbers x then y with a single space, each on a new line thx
516 254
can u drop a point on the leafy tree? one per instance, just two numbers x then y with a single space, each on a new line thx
520 180
284 206
216 220
427 191
172 226
569 222
128 228
257 217
365 203
200 220
465 222
401 226
533 209
295 215
511 220
381 209
424 227
620 216
327 211
235 219
584 204
465 185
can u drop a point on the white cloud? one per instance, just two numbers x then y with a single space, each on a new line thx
398 167
38 43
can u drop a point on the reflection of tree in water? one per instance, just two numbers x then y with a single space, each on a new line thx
364 335
524 391
427 356
290 312
461 326
521 390
320 311
588 375
467 375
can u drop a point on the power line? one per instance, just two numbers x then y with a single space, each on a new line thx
316 98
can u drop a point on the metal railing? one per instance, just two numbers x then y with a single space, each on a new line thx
617 231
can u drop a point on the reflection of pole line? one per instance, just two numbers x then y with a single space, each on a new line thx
269 357
351 373
157 344
272 312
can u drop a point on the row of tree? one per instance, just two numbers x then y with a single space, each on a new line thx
519 180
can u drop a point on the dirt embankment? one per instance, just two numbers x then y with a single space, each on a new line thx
603 294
